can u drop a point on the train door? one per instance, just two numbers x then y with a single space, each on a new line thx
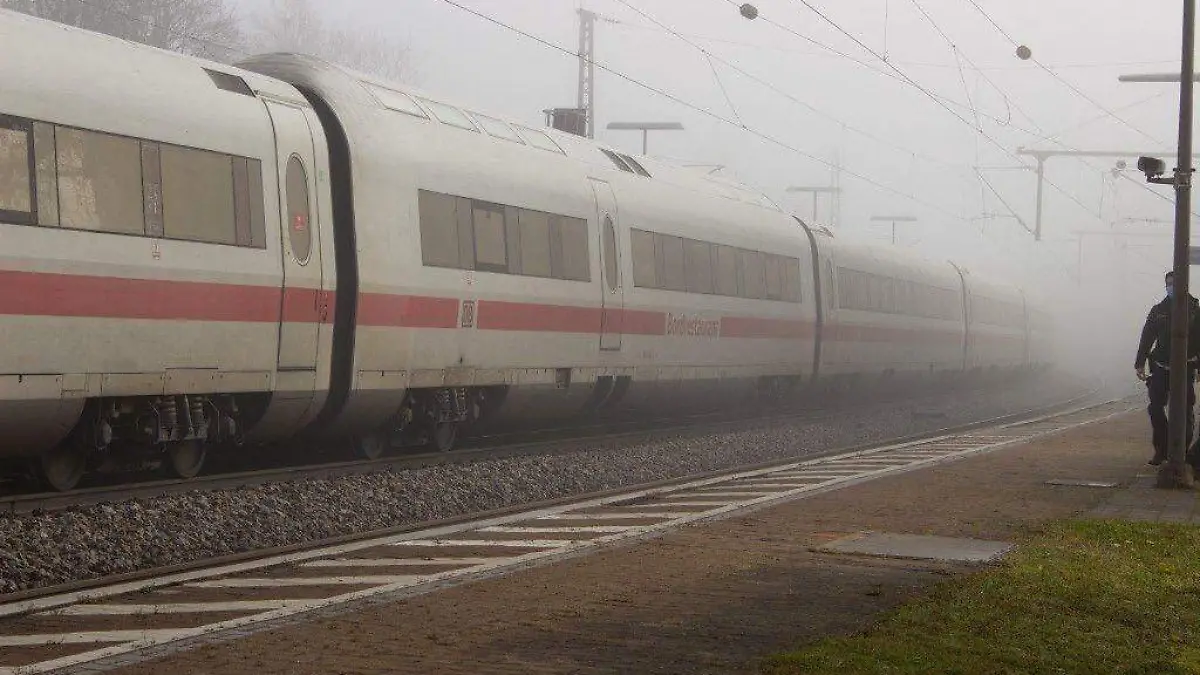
304 304
612 291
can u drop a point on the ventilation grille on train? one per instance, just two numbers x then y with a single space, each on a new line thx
230 82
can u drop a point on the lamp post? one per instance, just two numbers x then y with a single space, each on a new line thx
645 128
815 191
894 220
1175 472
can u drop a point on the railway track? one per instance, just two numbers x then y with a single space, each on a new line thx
83 585
499 445
105 621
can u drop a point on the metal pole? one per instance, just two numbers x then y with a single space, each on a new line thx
1175 472
893 233
587 70
1041 172
645 133
814 208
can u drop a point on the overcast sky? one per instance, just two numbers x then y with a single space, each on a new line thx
902 153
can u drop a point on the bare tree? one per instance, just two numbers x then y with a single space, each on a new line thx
206 28
294 26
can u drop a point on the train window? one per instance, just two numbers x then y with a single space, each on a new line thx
645 272
671 266
699 266
152 195
398 101
241 202
198 199
439 229
754 284
466 233
792 291
727 271
512 239
774 269
539 139
448 114
610 254
16 176
47 176
258 218
299 222
99 182
535 243
849 291
576 261
497 128
491 247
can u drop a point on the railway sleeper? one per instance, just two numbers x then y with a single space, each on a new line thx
173 432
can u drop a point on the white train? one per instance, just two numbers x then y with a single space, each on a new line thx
196 254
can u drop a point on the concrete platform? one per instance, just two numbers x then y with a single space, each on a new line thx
919 547
1141 501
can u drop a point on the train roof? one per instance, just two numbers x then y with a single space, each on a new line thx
79 78
361 89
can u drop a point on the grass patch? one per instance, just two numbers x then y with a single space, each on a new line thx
1077 596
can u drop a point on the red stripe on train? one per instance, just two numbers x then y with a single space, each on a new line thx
640 322
308 305
840 332
749 327
70 295
46 294
406 311
500 315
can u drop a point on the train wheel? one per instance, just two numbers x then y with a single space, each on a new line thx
63 467
444 436
186 458
370 446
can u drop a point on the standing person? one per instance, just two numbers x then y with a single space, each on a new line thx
1155 347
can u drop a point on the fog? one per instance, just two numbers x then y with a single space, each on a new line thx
811 95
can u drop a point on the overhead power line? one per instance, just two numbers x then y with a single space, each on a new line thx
960 118
1076 90
702 110
781 92
892 75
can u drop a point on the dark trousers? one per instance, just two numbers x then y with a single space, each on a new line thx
1159 388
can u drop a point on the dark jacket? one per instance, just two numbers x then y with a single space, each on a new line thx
1156 335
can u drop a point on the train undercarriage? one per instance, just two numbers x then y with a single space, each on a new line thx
174 433
177 434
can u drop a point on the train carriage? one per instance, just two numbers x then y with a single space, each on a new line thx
144 262
888 312
557 275
996 324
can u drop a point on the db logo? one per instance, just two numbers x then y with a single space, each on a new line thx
468 314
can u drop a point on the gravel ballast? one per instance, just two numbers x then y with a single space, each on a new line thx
39 550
